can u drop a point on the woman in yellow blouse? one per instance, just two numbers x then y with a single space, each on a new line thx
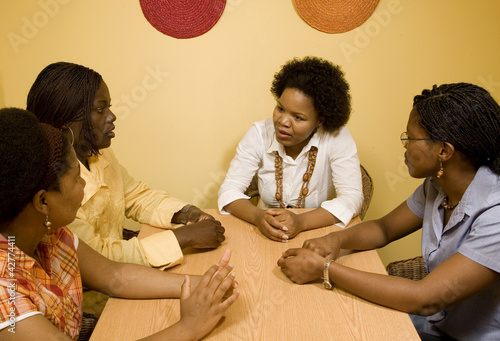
76 100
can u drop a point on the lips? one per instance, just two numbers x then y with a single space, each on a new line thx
111 133
282 134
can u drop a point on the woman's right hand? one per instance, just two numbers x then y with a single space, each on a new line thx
270 227
327 246
204 234
202 309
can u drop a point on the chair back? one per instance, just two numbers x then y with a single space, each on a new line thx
367 191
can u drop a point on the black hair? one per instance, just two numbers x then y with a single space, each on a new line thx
24 150
64 93
466 116
323 82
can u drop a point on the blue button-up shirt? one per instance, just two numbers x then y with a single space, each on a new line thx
474 231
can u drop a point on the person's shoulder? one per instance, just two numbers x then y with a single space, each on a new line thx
488 185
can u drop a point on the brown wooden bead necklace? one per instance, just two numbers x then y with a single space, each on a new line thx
278 171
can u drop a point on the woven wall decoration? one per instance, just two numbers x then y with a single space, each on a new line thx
335 16
183 19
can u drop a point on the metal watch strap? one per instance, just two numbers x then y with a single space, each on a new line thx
326 275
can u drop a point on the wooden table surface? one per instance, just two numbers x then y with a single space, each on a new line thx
270 306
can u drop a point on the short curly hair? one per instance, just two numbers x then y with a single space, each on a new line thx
23 171
323 82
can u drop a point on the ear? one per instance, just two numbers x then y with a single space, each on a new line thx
320 122
40 202
446 151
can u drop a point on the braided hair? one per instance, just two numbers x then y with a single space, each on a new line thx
64 93
323 82
466 116
34 157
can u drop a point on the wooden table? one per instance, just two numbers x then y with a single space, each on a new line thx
270 306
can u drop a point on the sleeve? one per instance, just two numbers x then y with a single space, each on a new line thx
346 177
416 202
148 206
242 168
14 305
119 250
482 245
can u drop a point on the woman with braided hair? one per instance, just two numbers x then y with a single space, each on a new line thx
43 265
452 140
75 99
304 156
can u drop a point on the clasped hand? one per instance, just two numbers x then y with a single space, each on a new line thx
279 224
206 233
303 265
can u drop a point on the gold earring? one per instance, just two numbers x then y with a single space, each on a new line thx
47 223
440 171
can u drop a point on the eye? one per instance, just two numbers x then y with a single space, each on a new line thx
298 118
99 110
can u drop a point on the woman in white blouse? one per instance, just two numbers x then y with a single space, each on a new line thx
304 156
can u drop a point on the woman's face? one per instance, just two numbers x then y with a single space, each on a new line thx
295 120
421 156
102 119
64 204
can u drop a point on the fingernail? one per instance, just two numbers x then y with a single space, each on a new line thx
285 228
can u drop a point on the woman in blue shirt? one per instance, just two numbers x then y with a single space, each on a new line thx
453 141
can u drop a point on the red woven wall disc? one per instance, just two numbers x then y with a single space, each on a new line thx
183 18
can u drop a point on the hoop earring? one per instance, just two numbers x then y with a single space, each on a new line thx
72 135
440 171
47 223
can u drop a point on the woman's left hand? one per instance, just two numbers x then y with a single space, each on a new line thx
289 221
301 265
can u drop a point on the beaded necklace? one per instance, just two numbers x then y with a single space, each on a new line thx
278 171
446 206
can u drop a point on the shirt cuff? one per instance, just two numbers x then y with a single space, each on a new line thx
227 198
342 213
162 249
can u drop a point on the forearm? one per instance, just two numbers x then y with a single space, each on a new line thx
390 291
316 219
364 236
243 209
176 331
139 282
378 233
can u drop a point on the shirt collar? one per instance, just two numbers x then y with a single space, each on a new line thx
94 177
9 251
276 146
484 187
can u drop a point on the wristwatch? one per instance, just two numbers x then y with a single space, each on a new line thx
326 275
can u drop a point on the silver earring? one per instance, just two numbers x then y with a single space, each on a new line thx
47 223
72 135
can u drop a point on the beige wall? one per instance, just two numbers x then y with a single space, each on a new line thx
190 101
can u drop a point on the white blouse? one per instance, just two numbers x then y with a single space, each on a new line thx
335 185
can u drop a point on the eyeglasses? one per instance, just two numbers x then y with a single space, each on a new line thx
404 139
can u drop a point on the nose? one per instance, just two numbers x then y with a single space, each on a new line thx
111 117
83 182
284 120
